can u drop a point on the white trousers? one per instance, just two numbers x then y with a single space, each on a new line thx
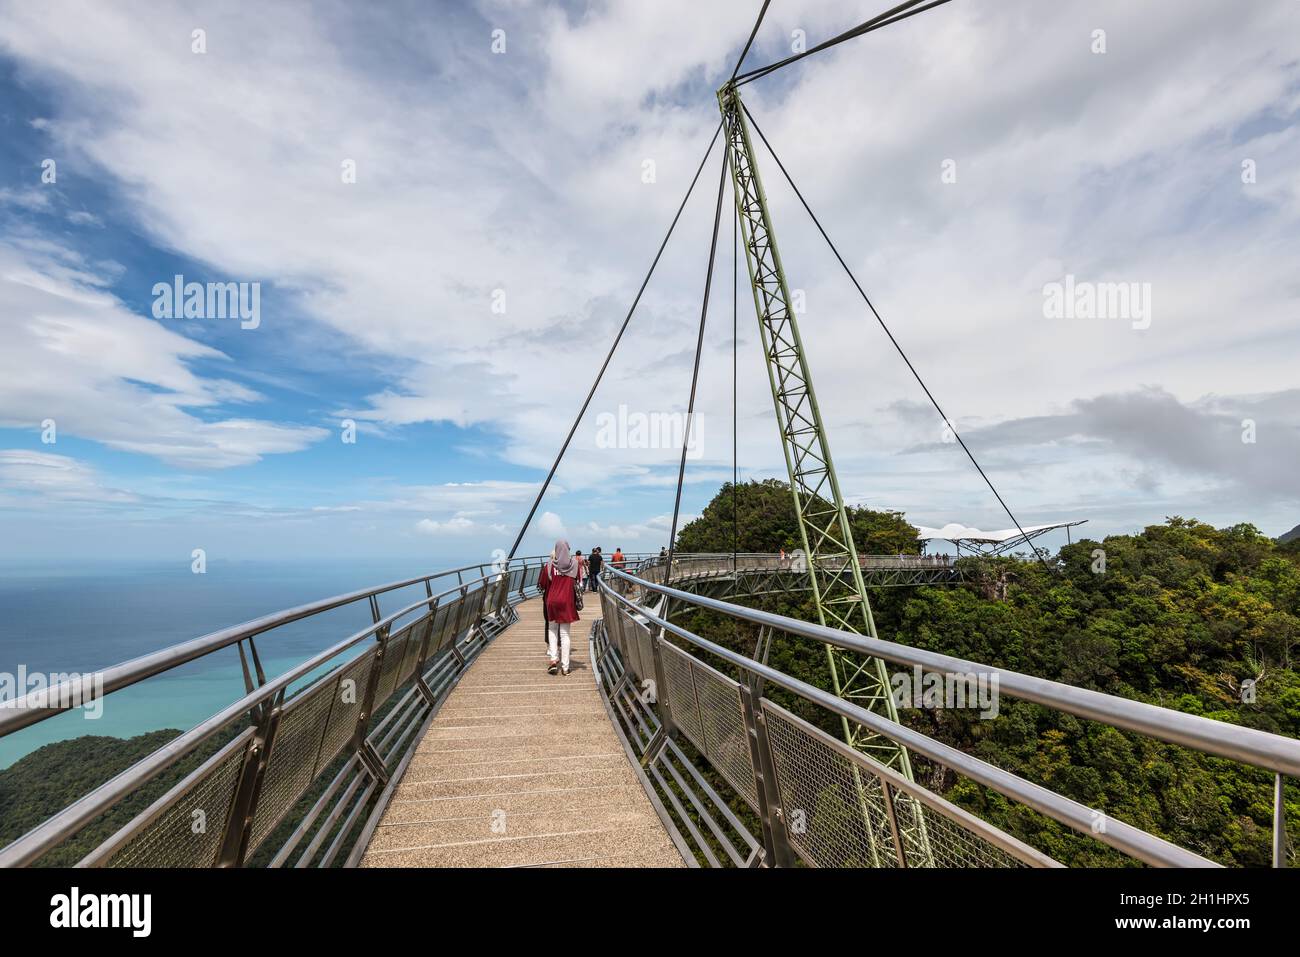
558 631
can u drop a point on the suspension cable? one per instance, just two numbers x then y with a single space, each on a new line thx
735 325
583 411
916 375
735 405
900 12
695 375
752 33
617 339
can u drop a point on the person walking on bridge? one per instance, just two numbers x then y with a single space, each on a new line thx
617 558
559 584
593 574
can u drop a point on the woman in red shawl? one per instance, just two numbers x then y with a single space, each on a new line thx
559 582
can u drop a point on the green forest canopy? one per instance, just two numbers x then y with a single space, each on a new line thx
1181 616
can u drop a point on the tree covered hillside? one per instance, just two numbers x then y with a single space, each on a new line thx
1182 615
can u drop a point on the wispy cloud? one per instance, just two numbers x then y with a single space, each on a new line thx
500 220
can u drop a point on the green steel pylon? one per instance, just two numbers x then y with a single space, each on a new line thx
836 577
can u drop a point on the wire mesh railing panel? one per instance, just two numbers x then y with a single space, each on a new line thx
930 839
292 763
835 813
346 698
629 632
443 623
680 693
388 673
631 653
419 630
632 650
188 833
722 718
645 652
473 612
496 600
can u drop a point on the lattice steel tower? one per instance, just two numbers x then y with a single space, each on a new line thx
836 577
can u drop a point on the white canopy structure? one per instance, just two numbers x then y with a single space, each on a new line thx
989 543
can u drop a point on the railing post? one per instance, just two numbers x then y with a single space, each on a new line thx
892 814
1279 821
363 747
776 841
661 686
420 683
502 602
455 628
239 822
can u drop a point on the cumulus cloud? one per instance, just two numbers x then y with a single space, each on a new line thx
456 525
522 175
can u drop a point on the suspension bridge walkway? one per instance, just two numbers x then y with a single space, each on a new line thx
522 769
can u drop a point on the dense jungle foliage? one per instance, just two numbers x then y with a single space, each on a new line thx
1182 615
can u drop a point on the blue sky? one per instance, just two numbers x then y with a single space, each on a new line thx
519 178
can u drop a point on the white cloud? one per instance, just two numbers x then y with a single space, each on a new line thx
55 477
76 354
457 525
31 198
522 173
551 525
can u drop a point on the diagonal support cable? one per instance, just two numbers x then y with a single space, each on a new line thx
617 339
865 298
735 390
695 375
750 42
901 12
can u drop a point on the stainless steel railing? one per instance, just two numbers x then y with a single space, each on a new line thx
728 576
245 769
852 810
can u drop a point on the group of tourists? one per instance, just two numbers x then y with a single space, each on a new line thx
924 560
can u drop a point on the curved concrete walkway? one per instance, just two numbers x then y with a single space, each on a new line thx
522 769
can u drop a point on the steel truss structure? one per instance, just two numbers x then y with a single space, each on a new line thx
736 577
834 573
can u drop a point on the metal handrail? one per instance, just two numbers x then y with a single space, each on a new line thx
54 830
1260 749
37 706
1125 837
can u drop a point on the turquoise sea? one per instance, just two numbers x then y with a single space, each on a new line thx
68 618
